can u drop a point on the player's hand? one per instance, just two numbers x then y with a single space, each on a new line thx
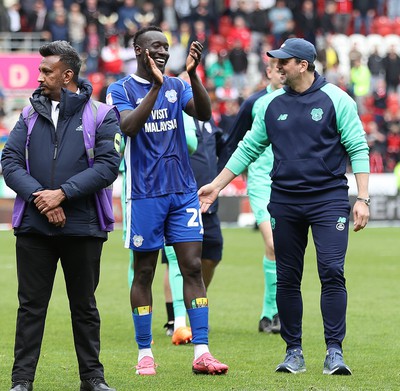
194 57
207 195
57 217
157 74
360 215
46 200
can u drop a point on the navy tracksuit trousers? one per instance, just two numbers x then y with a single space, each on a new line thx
329 223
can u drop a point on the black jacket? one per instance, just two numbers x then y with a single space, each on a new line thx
57 159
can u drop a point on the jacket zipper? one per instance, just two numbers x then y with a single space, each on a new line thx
55 150
55 154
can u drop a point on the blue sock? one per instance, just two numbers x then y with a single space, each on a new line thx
143 330
198 318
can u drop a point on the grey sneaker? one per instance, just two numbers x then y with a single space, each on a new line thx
334 364
294 362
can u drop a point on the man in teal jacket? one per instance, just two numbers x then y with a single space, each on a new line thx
313 128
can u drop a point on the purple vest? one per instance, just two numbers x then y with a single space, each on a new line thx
93 116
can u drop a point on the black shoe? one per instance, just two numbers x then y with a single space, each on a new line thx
265 325
270 326
276 324
21 385
170 328
95 384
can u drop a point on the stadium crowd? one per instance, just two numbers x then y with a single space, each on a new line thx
236 35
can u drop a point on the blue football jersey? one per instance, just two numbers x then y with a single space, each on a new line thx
157 159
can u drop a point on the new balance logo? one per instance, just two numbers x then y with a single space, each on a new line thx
79 128
283 117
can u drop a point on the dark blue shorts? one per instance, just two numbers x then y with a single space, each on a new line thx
212 239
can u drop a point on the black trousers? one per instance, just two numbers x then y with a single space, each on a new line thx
37 258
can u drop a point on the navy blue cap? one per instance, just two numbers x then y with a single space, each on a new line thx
295 47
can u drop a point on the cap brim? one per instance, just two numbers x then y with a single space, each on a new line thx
278 53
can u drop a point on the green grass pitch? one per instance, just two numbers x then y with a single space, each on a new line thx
371 347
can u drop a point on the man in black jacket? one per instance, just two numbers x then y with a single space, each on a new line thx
364 12
60 218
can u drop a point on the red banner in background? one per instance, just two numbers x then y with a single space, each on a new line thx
19 71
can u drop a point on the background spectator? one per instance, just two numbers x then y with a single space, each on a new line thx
221 70
241 32
199 33
354 54
393 9
343 13
147 15
92 47
238 58
280 18
391 64
360 78
307 21
178 53
126 15
112 57
327 55
76 27
38 19
363 12
169 14
58 27
327 19
258 23
203 12
14 17
376 67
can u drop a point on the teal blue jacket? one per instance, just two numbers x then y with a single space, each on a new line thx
313 136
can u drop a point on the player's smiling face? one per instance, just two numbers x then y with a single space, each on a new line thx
289 70
157 45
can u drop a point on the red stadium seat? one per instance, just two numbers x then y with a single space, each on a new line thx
369 103
382 25
392 100
396 26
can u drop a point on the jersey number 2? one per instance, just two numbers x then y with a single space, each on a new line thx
195 215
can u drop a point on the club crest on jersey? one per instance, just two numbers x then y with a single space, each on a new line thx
137 240
341 223
171 96
316 114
